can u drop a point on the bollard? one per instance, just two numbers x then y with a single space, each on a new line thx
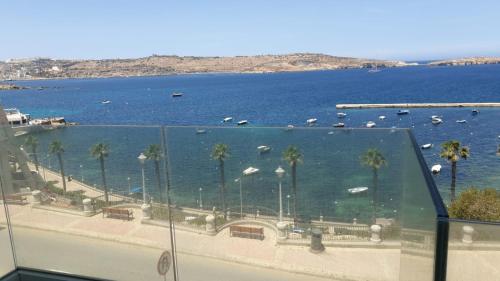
210 225
88 209
258 213
282 230
37 197
376 229
316 245
321 218
354 221
467 237
228 215
146 211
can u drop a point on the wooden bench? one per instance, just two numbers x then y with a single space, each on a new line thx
13 198
117 213
246 232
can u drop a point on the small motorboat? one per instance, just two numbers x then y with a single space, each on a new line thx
227 119
437 121
427 146
331 133
436 116
263 149
341 114
339 125
381 117
105 102
250 171
475 111
242 122
436 169
370 124
462 121
176 95
403 112
311 121
357 190
289 127
201 131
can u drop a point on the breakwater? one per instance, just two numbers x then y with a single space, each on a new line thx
416 105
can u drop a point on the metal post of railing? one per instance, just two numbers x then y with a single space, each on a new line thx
441 250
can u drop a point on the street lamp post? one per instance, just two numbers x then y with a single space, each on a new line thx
201 202
81 172
280 173
129 187
142 160
241 197
288 205
146 208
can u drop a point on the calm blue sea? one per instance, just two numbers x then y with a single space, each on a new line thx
279 99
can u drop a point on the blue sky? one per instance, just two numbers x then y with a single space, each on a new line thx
413 30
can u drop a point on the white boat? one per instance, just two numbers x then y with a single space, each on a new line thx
403 112
339 125
371 124
381 117
289 127
462 121
176 95
427 146
311 121
357 190
475 111
331 133
227 119
263 149
437 121
242 122
105 102
250 171
16 118
436 117
436 169
201 131
341 114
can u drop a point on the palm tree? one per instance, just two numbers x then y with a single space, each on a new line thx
100 151
153 152
293 156
220 152
56 147
374 159
453 151
32 142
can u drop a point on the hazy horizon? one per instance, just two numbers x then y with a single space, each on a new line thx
387 29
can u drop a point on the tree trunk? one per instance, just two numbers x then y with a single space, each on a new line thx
453 179
294 187
35 156
222 187
59 157
104 185
158 179
375 196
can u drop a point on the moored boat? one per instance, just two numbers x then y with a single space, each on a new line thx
403 112
437 121
227 119
311 121
339 125
105 102
357 190
242 122
381 117
341 114
475 111
427 146
263 149
436 169
201 131
462 121
370 124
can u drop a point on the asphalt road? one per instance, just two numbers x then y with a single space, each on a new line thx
117 261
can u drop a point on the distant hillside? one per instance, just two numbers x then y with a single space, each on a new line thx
164 65
466 61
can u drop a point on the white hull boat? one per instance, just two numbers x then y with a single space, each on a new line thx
341 114
427 146
311 121
381 117
250 171
263 149
370 124
461 121
227 119
436 169
242 122
357 190
437 121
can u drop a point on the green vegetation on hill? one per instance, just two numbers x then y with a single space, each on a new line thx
475 204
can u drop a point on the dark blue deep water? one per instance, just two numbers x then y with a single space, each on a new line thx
279 99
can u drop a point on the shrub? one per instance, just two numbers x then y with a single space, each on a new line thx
475 204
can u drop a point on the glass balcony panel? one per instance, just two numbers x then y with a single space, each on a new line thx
473 251
331 164
68 231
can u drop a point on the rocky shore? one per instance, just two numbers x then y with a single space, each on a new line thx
466 61
11 87
43 68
